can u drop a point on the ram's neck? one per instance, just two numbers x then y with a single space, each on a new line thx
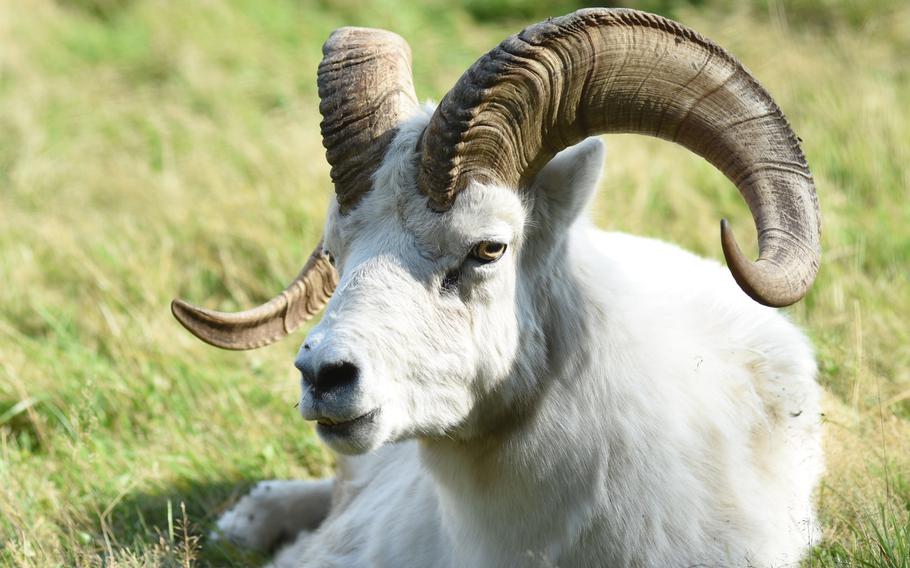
547 446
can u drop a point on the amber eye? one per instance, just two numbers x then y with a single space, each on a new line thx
488 251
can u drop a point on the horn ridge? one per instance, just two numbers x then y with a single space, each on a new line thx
365 91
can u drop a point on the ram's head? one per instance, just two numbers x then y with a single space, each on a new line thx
444 253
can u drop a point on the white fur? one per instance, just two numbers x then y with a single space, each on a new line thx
590 399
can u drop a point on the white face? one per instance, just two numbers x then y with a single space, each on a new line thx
423 329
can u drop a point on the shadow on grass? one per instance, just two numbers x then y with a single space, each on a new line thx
170 527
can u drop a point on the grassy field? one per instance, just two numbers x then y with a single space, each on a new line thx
152 149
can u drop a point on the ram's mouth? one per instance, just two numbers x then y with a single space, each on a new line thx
354 436
336 426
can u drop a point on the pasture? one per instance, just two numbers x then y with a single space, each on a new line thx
158 149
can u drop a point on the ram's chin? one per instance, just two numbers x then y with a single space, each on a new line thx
354 437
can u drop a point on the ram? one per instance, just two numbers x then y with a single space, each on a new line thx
509 386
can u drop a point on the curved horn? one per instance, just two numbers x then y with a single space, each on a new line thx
271 321
365 89
605 71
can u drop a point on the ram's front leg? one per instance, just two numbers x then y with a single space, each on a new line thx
274 512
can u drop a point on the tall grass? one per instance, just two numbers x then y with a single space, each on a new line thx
152 149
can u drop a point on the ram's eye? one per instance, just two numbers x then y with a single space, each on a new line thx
329 256
488 251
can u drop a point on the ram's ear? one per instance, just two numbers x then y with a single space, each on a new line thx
564 186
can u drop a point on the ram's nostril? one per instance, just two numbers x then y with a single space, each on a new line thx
333 376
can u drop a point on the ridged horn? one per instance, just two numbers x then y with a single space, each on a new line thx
271 321
623 71
366 91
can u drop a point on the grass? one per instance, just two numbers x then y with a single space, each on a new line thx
159 149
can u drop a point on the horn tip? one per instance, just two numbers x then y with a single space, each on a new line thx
188 316
759 281
194 319
179 309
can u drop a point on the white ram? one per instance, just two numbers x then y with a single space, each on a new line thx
510 386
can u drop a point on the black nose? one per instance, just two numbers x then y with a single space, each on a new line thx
332 378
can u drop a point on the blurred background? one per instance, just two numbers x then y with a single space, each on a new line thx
153 148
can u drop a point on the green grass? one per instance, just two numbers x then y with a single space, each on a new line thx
158 149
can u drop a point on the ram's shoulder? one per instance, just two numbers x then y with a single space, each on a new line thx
656 263
655 285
